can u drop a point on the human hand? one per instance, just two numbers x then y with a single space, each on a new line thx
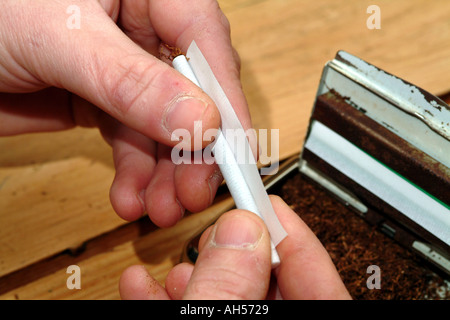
110 65
234 263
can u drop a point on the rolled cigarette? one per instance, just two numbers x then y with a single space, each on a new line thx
228 164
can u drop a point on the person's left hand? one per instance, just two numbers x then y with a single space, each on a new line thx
111 66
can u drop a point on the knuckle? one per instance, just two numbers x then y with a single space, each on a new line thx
224 22
128 84
211 23
219 17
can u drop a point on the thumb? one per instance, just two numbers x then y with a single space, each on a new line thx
98 62
234 261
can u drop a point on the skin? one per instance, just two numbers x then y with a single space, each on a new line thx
108 74
240 238
111 67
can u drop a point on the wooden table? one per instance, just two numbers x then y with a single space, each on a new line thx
54 204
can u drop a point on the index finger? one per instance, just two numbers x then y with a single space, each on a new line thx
179 22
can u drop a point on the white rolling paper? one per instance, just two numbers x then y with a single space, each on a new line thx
242 177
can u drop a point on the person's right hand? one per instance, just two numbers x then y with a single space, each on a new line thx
234 263
107 74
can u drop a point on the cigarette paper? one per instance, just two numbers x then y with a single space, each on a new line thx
243 179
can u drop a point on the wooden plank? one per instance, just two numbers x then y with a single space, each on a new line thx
159 251
53 194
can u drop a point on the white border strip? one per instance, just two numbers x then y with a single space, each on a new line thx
382 182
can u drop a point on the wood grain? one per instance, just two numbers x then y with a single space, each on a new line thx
54 186
285 44
158 251
53 194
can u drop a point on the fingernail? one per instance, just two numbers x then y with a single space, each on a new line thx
182 113
237 231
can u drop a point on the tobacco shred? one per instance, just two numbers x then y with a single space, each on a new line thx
354 244
169 52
